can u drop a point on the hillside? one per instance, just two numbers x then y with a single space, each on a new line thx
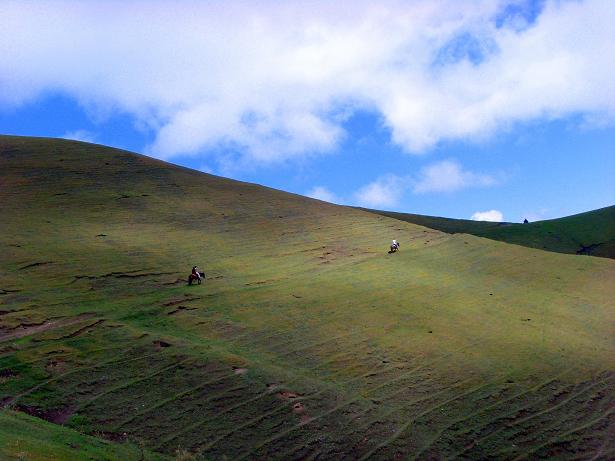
591 233
307 341
24 437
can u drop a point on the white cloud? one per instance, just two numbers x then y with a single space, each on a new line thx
273 81
449 176
384 192
79 135
438 177
322 193
491 215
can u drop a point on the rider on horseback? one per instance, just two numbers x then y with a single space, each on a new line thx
395 244
196 273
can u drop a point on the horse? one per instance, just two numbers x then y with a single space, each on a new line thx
394 248
193 277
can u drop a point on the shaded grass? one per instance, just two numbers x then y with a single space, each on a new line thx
591 233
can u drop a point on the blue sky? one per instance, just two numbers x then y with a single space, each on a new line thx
492 110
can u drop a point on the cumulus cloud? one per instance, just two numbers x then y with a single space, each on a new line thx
449 176
384 192
270 81
79 135
324 194
437 177
491 215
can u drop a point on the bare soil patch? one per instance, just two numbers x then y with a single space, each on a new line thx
56 416
160 344
181 308
287 395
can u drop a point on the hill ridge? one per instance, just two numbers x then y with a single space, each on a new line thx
588 233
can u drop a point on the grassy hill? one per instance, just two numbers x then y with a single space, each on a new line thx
24 437
591 233
307 340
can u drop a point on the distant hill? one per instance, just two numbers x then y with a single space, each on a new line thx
591 233
308 340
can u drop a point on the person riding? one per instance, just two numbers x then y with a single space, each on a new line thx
395 244
196 273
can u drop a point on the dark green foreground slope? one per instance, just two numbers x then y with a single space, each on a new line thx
24 437
308 340
591 233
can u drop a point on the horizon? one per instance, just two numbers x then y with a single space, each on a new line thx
494 111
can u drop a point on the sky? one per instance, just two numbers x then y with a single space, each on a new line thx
489 110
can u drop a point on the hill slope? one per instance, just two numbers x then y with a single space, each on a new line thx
306 341
591 233
23 437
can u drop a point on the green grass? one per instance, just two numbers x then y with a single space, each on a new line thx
23 437
307 339
591 233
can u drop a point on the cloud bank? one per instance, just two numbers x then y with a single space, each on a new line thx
449 176
270 81
438 177
491 215
384 192
80 135
322 193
